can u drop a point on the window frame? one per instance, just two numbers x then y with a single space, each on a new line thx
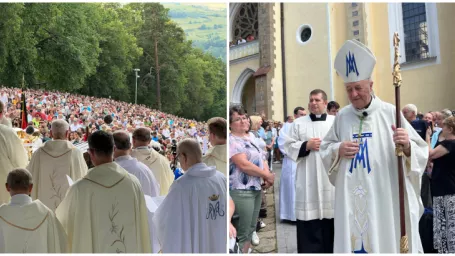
395 17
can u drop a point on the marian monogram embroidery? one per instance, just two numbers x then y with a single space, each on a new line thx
214 209
362 157
351 66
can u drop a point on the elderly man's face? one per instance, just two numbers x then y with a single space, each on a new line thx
408 114
359 93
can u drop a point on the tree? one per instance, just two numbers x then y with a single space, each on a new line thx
119 50
49 48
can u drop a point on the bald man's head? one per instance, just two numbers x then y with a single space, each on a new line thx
122 140
191 149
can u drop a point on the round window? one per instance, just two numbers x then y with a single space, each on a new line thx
304 34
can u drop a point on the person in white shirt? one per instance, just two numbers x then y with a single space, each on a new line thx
122 156
4 98
74 125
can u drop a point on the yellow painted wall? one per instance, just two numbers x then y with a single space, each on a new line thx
339 32
429 87
277 80
236 69
307 66
378 42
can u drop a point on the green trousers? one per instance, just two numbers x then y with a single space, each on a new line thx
247 206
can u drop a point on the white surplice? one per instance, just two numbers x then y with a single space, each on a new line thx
159 165
28 226
367 201
193 216
145 176
314 193
12 155
287 179
50 165
105 212
216 156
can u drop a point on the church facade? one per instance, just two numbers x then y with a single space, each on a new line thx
291 49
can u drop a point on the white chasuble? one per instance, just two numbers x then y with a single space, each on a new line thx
314 193
30 227
50 165
193 216
367 215
159 165
105 212
12 155
216 156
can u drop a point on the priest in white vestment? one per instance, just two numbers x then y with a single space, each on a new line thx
52 163
287 178
192 217
314 200
122 157
217 155
105 212
12 153
28 226
359 154
158 163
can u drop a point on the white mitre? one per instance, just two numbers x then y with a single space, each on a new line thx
354 62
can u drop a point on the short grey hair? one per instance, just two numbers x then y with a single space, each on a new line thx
446 113
59 128
411 107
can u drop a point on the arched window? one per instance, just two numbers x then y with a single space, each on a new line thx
246 21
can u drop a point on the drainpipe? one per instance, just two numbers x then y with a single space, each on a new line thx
283 60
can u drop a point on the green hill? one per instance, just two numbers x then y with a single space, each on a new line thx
204 24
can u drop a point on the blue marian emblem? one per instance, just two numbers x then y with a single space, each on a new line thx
362 250
351 66
214 210
362 157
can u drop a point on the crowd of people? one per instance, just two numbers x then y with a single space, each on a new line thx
241 40
121 195
87 114
339 177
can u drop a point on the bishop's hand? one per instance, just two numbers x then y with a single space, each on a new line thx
348 149
400 136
